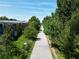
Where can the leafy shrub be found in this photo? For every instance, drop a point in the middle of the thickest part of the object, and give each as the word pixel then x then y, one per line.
pixel 30 32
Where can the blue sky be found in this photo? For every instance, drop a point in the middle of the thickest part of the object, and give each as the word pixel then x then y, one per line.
pixel 24 9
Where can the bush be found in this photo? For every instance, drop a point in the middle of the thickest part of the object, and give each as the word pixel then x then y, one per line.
pixel 25 47
pixel 30 33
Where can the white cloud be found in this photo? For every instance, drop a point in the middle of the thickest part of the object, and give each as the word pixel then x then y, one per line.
pixel 30 3
pixel 5 5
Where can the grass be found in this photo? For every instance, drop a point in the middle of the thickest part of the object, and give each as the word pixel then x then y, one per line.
pixel 55 52
pixel 60 55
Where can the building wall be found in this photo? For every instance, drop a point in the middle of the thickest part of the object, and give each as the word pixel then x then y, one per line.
pixel 1 28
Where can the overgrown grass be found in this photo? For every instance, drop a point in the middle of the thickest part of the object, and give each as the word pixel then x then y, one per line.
pixel 60 55
pixel 55 52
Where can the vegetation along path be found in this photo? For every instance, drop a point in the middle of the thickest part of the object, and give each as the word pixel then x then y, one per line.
pixel 41 49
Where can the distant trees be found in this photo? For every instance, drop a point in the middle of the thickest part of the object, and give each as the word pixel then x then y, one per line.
pixel 6 18
pixel 46 23
pixel 63 28
pixel 3 18
pixel 34 22
pixel 33 28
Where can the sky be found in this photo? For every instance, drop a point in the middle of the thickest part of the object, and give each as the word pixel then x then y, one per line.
pixel 24 9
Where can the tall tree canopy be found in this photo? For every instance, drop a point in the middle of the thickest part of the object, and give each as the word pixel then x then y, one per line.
pixel 62 27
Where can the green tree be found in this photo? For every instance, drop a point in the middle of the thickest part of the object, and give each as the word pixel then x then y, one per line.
pixel 65 9
pixel 3 18
pixel 30 33
pixel 34 22
pixel 63 28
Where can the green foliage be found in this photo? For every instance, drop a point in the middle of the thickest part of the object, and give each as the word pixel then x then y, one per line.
pixel 63 28
pixel 3 18
pixel 25 46
pixel 32 29
pixel 46 23
pixel 20 42
pixel 14 44
pixel 6 18
pixel 65 9
pixel 74 23
pixel 34 22
pixel 30 32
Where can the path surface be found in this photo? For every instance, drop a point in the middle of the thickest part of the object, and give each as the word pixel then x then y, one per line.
pixel 41 49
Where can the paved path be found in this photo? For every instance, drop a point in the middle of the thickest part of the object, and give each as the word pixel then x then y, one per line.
pixel 41 49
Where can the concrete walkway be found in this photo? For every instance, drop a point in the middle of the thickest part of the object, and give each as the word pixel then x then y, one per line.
pixel 41 49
